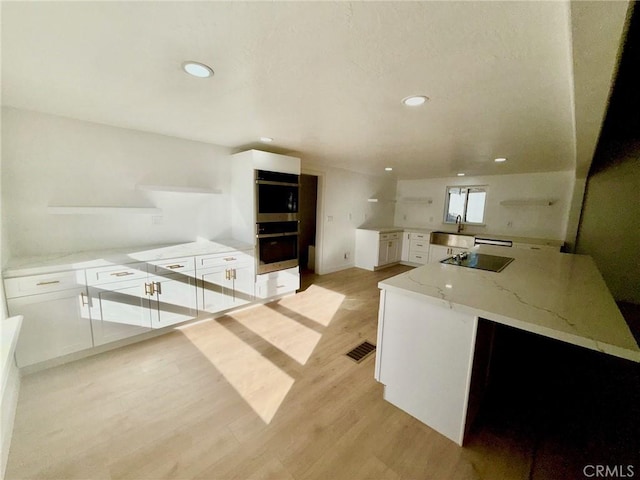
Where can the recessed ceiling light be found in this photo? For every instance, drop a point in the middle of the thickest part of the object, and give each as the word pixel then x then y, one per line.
pixel 461 174
pixel 388 169
pixel 197 69
pixel 266 139
pixel 500 160
pixel 414 100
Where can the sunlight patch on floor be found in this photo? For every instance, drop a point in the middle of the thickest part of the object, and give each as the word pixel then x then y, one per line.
pixel 283 332
pixel 318 304
pixel 258 381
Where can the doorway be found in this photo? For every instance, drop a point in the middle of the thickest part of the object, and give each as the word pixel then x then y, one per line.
pixel 308 207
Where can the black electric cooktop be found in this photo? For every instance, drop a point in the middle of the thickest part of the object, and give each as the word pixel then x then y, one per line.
pixel 481 261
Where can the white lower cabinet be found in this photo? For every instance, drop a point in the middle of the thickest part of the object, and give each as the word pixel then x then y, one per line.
pixel 54 324
pixel 70 311
pixel 542 248
pixel 119 310
pixel 419 248
pixel 56 315
pixel 173 300
pixel 375 249
pixel 415 340
pixel 223 288
pixel 278 283
pixel 127 300
pixel 225 281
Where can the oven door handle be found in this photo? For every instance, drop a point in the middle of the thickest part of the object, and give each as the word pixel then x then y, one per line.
pixel 279 184
pixel 273 235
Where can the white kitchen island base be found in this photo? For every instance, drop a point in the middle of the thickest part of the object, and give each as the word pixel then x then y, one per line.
pixel 435 327
pixel 431 349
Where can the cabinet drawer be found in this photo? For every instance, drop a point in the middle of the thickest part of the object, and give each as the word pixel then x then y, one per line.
pixel 389 236
pixel 419 236
pixel 419 257
pixel 50 282
pixel 419 246
pixel 175 265
pixel 542 248
pixel 224 259
pixel 116 273
pixel 272 285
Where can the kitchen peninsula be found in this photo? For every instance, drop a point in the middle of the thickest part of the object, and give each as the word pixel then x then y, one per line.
pixel 435 327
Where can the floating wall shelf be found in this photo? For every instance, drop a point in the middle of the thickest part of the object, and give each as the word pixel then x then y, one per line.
pixel 86 210
pixel 176 189
pixel 425 200
pixel 524 202
pixel 379 200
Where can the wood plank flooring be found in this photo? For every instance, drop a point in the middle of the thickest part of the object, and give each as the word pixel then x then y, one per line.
pixel 268 393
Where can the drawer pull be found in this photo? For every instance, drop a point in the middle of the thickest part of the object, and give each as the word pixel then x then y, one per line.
pixel 280 286
pixel 230 259
pixel 84 296
pixel 173 267
pixel 121 274
pixel 52 282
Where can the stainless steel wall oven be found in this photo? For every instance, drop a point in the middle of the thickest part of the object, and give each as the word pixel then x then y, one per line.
pixel 276 196
pixel 277 225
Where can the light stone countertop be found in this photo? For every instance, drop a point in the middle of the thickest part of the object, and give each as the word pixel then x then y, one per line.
pixel 528 240
pixel 22 266
pixel 561 296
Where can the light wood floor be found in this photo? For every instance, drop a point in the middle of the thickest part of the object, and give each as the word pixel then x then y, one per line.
pixel 267 392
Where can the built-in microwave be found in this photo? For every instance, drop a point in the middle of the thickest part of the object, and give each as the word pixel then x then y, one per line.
pixel 276 196
pixel 277 246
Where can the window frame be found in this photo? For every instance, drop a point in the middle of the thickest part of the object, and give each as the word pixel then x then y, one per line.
pixel 447 197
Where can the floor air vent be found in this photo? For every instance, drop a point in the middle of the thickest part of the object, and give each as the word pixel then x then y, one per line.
pixel 361 352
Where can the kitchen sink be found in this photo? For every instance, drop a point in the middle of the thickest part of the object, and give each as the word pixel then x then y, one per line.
pixel 481 261
pixel 448 239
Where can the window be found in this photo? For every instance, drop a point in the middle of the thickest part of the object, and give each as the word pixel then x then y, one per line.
pixel 467 202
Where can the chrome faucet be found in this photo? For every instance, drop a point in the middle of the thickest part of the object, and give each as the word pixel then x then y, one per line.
pixel 459 223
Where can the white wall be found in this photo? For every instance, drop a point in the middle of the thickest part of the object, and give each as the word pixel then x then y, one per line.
pixel 609 228
pixel 529 221
pixel 49 160
pixel 344 208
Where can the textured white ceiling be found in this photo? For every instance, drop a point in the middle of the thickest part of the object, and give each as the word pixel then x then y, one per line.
pixel 325 80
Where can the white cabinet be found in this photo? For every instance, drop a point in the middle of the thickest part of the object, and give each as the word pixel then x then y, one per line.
pixel 119 308
pixel 375 249
pixel 541 248
pixel 173 291
pixel 389 249
pixel 415 340
pixel 438 252
pixel 418 248
pixel 278 283
pixel 56 317
pixel 225 280
pixel 127 300
pixel 404 248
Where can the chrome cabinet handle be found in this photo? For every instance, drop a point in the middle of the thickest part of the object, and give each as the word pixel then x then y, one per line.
pixel 52 282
